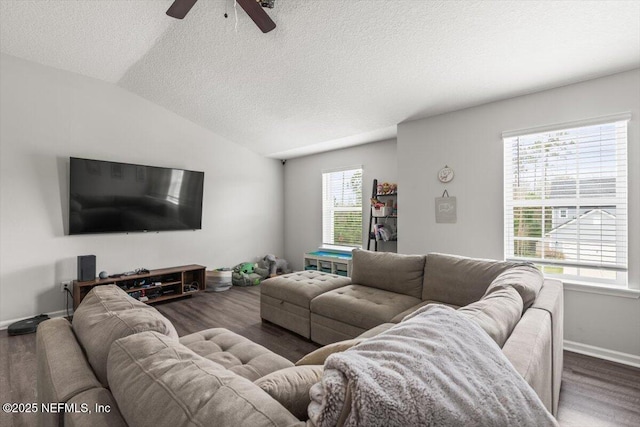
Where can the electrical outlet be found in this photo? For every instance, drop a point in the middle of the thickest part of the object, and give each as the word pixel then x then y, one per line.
pixel 65 285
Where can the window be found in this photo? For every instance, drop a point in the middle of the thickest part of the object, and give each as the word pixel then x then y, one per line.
pixel 342 208
pixel 566 199
pixel 175 186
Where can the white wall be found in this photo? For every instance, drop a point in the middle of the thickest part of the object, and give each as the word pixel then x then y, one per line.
pixel 303 192
pixel 470 142
pixel 48 115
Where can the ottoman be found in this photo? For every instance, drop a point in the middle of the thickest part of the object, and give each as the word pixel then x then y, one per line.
pixel 236 353
pixel 285 300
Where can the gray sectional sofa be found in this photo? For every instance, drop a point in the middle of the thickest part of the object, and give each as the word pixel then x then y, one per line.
pixel 512 302
pixel 122 355
pixel 121 363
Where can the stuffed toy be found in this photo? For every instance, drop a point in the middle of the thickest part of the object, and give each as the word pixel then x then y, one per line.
pixel 247 267
pixel 275 264
pixel 244 274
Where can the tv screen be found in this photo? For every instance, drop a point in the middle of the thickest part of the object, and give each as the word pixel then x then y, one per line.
pixel 109 197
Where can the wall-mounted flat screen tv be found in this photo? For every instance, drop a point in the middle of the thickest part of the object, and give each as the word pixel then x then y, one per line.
pixel 109 197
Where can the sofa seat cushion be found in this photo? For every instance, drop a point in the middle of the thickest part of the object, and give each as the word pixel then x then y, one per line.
pixel 106 314
pixel 497 313
pixel 459 280
pixel 325 330
pixel 159 382
pixel 524 278
pixel 361 306
pixel 389 271
pixel 235 353
pixel 285 300
pixel 290 387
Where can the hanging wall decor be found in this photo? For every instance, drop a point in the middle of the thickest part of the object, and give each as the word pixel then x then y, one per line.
pixel 446 209
pixel 445 174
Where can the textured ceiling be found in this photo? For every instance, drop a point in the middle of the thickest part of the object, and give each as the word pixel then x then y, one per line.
pixel 334 72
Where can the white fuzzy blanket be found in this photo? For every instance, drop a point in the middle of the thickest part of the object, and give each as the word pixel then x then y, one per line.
pixel 435 368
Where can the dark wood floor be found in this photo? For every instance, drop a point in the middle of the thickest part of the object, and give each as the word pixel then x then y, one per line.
pixel 594 392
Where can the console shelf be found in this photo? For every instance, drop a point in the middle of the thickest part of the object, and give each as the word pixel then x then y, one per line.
pixel 155 286
pixel 329 262
pixel 176 282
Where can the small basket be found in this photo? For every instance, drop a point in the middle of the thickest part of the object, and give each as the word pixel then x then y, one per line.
pixel 218 280
pixel 381 211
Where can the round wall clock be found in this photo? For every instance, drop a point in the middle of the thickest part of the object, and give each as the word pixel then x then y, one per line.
pixel 445 174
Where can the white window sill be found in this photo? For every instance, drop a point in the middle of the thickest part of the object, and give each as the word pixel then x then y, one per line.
pixel 337 248
pixel 601 289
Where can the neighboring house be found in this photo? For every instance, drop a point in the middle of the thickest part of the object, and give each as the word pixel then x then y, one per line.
pixel 597 222
pixel 566 188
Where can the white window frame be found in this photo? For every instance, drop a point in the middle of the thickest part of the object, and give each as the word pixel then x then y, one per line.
pixel 620 203
pixel 329 210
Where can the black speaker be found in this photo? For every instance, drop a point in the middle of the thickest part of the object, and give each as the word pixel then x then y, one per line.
pixel 86 268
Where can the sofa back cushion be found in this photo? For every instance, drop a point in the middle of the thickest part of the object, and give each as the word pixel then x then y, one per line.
pixel 497 313
pixel 158 382
pixel 524 278
pixel 388 271
pixel 111 298
pixel 106 314
pixel 459 280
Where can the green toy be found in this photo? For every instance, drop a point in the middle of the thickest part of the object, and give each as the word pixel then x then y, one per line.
pixel 247 267
pixel 247 274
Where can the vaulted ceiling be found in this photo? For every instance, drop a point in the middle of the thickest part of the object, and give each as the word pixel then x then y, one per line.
pixel 334 72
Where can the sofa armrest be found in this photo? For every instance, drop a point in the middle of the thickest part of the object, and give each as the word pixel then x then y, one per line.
pixel 551 300
pixel 529 351
pixel 103 407
pixel 62 369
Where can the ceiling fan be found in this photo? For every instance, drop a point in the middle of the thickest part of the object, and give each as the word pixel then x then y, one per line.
pixel 180 8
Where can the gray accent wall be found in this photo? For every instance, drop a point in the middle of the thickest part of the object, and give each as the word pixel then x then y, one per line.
pixel 470 142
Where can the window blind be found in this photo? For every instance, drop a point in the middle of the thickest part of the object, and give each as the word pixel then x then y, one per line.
pixel 342 207
pixel 565 193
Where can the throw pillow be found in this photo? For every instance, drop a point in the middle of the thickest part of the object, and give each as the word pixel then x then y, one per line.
pixel 290 387
pixel 317 357
pixel 497 313
pixel 524 278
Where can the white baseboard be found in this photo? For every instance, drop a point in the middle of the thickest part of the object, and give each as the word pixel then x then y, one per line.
pixel 603 353
pixel 60 313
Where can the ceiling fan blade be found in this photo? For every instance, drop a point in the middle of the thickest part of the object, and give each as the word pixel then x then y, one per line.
pixel 180 8
pixel 257 13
